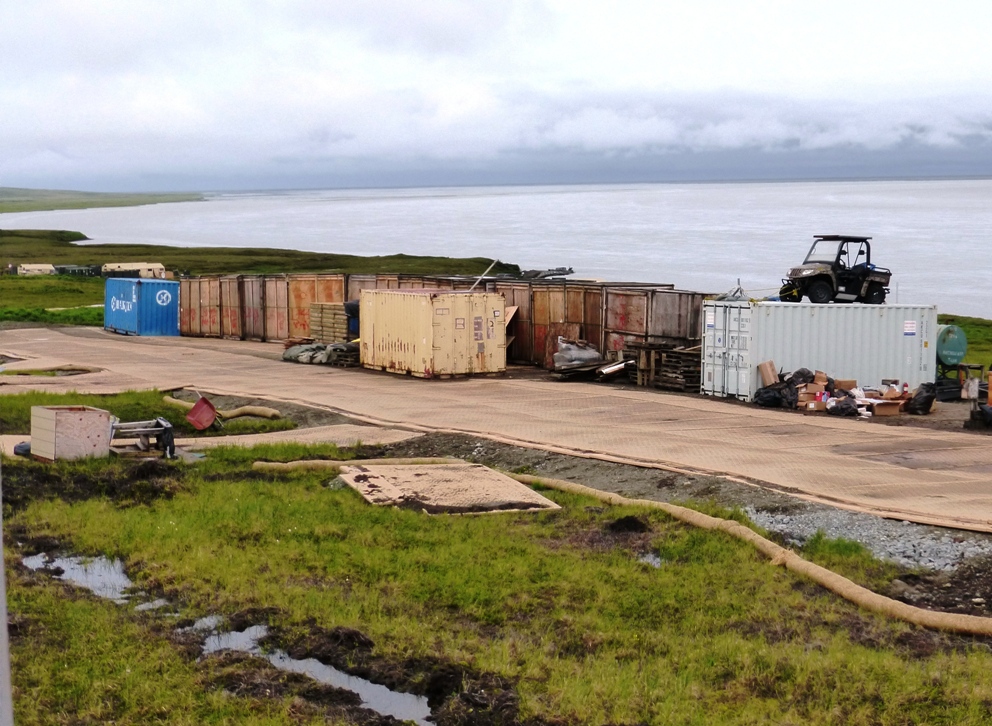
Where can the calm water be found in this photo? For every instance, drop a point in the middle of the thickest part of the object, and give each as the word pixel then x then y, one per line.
pixel 932 234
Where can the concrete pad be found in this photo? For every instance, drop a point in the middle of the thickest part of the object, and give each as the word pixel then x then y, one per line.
pixel 454 488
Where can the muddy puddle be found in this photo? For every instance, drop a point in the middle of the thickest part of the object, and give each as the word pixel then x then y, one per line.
pixel 106 578
pixel 99 575
pixel 403 706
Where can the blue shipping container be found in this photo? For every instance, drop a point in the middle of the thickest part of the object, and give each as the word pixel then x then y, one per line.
pixel 141 307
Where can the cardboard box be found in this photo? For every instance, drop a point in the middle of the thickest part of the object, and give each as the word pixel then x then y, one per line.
pixel 768 373
pixel 820 377
pixel 812 406
pixel 814 388
pixel 892 393
pixel 872 394
pixel 806 398
pixel 846 383
pixel 886 408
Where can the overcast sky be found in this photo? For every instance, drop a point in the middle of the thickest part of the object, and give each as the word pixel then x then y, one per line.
pixel 254 94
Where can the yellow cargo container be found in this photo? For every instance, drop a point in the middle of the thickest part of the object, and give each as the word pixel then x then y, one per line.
pixel 433 333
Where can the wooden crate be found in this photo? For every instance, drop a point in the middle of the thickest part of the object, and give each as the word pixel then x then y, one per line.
pixel 69 432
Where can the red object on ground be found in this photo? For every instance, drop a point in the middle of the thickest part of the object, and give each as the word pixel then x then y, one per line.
pixel 202 415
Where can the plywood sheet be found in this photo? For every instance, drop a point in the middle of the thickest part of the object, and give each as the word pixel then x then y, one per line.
pixel 455 488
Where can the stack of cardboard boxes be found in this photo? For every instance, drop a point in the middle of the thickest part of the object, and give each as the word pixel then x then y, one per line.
pixel 887 400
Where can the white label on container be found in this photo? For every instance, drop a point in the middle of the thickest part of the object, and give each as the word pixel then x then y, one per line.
pixel 163 297
pixel 711 318
pixel 495 313
pixel 909 327
pixel 459 323
pixel 442 311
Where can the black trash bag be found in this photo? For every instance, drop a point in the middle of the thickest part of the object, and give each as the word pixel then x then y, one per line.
pixel 801 376
pixel 922 401
pixel 830 385
pixel 844 407
pixel 351 308
pixel 985 409
pixel 22 449
pixel 777 395
pixel 841 393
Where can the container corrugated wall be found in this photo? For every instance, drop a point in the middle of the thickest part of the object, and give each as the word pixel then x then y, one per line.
pixel 141 306
pixel 429 334
pixel 868 343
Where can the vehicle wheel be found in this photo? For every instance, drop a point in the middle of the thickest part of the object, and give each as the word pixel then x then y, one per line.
pixel 790 293
pixel 875 294
pixel 819 291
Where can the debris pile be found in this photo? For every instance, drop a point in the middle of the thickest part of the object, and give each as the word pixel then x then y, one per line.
pixel 815 391
pixel 343 355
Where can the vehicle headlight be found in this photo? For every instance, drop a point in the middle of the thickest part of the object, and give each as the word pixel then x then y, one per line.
pixel 804 273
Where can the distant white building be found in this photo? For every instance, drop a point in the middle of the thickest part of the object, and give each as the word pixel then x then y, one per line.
pixel 154 270
pixel 36 269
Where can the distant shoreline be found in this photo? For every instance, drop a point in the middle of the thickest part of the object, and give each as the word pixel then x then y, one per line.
pixel 14 200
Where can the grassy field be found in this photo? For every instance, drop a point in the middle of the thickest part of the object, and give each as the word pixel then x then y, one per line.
pixel 39 200
pixel 550 615
pixel 60 248
pixel 979 334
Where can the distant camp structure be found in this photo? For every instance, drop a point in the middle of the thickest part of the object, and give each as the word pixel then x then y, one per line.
pixel 146 270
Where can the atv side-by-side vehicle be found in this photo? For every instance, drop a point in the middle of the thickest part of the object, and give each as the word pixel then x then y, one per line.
pixel 838 268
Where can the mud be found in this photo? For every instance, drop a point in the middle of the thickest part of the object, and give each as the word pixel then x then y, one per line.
pixel 126 482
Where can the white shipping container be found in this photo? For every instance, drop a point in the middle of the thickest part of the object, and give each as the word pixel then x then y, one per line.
pixel 429 333
pixel 864 342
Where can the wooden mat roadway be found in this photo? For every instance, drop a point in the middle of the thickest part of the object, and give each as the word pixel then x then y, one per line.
pixel 932 477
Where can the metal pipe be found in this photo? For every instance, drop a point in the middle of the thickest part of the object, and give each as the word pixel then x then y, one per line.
pixel 483 275
pixel 6 693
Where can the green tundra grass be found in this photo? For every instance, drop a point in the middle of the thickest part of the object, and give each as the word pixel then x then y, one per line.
pixel 550 603
pixel 38 200
pixel 59 248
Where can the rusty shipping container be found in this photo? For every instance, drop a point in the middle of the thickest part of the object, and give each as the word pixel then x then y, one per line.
pixel 429 334
pixel 306 289
pixel 252 289
pixel 199 306
pixel 651 315
pixel 230 307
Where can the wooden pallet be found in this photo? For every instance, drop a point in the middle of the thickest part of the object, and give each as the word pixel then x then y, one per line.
pixel 673 369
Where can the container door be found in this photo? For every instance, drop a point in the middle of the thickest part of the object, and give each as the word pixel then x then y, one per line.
pixel 230 308
pixel 675 317
pixel 625 318
pixel 727 349
pixel 276 307
pixel 186 306
pixel 253 303
pixel 302 290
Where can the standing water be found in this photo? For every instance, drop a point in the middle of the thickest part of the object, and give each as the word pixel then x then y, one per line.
pixel 932 234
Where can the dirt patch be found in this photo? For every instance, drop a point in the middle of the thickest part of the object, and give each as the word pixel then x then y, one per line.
pixel 635 482
pixel 302 416
pixel 126 482
pixel 967 589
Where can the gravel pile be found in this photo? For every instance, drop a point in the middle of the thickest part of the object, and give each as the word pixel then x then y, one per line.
pixel 907 544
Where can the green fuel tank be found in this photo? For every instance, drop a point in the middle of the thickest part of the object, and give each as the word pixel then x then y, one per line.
pixel 951 344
